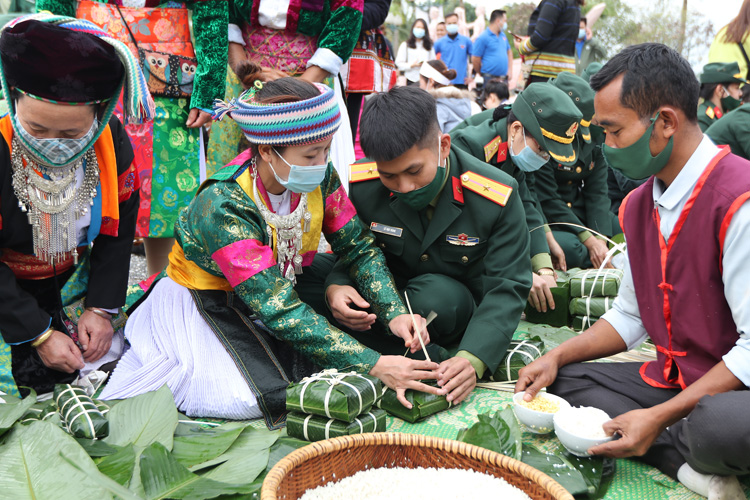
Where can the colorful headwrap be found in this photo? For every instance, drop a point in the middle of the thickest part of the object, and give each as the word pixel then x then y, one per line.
pixel 81 74
pixel 283 124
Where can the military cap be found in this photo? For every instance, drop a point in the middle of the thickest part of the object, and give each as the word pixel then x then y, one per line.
pixel 582 96
pixel 550 116
pixel 591 70
pixel 722 73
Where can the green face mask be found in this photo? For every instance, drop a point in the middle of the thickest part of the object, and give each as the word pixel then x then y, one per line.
pixel 635 161
pixel 729 103
pixel 420 198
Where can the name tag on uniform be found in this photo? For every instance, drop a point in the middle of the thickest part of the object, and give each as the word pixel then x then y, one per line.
pixel 377 227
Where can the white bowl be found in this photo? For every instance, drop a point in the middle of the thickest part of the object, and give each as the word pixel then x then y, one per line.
pixel 575 443
pixel 537 422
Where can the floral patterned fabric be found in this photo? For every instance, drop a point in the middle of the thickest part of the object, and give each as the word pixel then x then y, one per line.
pixel 223 214
pixel 167 153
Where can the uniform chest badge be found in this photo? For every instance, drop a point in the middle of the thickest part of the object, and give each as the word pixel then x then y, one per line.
pixel 463 240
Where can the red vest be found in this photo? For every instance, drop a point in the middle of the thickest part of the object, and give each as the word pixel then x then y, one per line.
pixel 678 283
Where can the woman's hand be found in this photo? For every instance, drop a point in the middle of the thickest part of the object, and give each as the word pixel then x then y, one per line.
pixel 197 118
pixel 94 335
pixel 60 353
pixel 400 373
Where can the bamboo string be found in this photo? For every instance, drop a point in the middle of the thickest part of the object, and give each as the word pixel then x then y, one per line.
pixel 416 328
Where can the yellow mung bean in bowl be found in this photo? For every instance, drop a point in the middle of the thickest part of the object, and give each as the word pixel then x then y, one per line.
pixel 537 415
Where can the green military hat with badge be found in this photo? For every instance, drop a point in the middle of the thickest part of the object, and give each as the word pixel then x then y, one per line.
pixel 722 73
pixel 579 91
pixel 591 70
pixel 549 115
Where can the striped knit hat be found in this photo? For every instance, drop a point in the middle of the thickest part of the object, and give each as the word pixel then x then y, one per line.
pixel 283 124
pixel 138 103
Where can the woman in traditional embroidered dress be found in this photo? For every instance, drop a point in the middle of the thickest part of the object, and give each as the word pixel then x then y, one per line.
pixel 67 181
pixel 184 79
pixel 310 39
pixel 238 314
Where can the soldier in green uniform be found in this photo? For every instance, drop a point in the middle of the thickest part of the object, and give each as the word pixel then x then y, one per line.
pixel 734 129
pixel 577 194
pixel 541 117
pixel 720 91
pixel 453 233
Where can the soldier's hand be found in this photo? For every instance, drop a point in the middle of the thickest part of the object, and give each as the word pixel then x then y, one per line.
pixel 340 299
pixel 556 252
pixel 597 251
pixel 540 295
pixel 457 376
pixel 400 373
pixel 60 353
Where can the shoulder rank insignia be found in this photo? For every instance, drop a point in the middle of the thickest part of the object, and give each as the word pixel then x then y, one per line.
pixel 490 189
pixel 363 172
pixel 718 113
pixel 710 112
pixel 491 148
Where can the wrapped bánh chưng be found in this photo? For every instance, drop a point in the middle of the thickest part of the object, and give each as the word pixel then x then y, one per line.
pixel 79 413
pixel 423 404
pixel 593 307
pixel 333 394
pixel 595 283
pixel 315 428
pixel 520 353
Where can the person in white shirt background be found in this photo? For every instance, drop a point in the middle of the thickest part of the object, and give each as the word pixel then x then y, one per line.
pixel 416 50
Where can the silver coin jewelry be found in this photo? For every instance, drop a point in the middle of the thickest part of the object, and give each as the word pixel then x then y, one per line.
pixel 53 204
pixel 289 230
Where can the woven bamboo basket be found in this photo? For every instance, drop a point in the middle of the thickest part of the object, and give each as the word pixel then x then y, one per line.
pixel 333 459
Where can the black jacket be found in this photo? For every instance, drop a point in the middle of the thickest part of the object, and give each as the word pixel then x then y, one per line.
pixel 553 26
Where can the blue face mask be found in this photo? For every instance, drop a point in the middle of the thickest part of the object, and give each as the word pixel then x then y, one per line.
pixel 418 32
pixel 452 29
pixel 582 34
pixel 527 160
pixel 56 151
pixel 301 179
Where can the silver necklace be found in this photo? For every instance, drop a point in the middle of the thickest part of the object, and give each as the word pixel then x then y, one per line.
pixel 289 230
pixel 52 202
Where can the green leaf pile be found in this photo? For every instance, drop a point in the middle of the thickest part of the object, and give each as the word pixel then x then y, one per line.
pixel 149 454
pixel 501 432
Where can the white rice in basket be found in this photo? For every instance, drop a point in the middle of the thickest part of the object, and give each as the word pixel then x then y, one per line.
pixel 401 483
pixel 583 421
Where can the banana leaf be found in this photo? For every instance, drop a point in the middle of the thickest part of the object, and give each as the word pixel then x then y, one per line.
pixel 35 463
pixel 423 404
pixel 13 408
pixel 98 448
pixel 499 432
pixel 578 475
pixel 79 413
pixel 314 428
pixel 591 306
pixel 120 465
pixel 163 477
pixel 595 283
pixel 551 336
pixel 143 420
pixel 194 444
pixel 554 317
pixel 250 441
pixel 245 460
pixel 520 353
pixel 42 410
pixel 331 394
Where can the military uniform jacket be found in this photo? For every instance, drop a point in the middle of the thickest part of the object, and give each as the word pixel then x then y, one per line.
pixel 576 194
pixel 488 142
pixel 476 238
pixel 734 131
pixel 708 114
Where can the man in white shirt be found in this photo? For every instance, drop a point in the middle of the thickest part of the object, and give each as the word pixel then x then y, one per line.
pixel 685 286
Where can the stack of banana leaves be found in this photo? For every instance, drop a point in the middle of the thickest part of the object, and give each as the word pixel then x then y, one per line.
pixel 138 448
